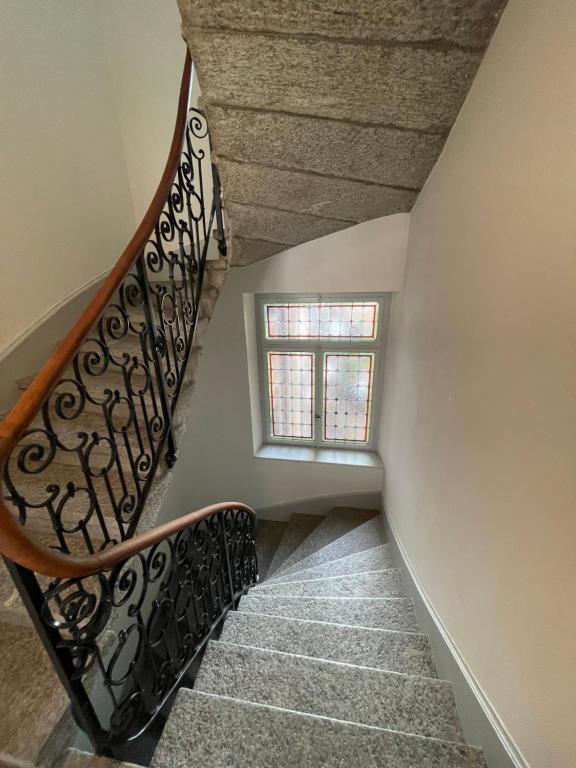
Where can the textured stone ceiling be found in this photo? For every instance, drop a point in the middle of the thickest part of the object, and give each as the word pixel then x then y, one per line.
pixel 324 114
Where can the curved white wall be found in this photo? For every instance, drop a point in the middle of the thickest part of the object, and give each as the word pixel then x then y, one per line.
pixel 217 460
pixel 88 94
pixel 480 438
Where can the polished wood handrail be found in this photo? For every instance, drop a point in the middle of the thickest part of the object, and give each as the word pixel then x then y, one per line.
pixel 14 542
pixel 17 546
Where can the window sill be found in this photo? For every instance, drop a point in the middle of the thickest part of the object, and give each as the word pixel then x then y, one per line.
pixel 341 456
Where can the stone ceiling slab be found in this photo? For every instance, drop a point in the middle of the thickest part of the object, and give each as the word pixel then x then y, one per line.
pixel 364 153
pixel 308 193
pixel 411 87
pixel 259 223
pixel 247 251
pixel 467 23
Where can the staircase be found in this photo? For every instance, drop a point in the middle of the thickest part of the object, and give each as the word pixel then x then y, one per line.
pixel 321 665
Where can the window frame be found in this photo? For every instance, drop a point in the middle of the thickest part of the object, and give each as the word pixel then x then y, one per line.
pixel 320 347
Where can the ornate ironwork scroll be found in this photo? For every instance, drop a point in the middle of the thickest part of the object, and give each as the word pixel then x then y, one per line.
pixel 81 474
pixel 122 640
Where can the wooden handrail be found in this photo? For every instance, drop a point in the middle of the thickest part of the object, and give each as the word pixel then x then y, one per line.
pixel 14 542
pixel 16 546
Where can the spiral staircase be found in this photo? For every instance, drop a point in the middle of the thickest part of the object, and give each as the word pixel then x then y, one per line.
pixel 209 639
pixel 322 664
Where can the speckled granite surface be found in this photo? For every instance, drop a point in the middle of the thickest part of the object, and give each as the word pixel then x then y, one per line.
pixel 30 705
pixel 383 649
pixel 405 703
pixel 382 613
pixel 268 536
pixel 77 759
pixel 365 536
pixel 372 584
pixel 298 528
pixel 213 731
pixel 337 523
pixel 374 559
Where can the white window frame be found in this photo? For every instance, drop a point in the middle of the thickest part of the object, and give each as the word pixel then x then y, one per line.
pixel 319 347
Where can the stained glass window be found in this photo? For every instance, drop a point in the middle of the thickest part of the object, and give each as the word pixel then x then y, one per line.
pixel 348 382
pixel 291 389
pixel 353 320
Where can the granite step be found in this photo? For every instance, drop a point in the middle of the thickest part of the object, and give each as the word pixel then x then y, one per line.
pixel 406 652
pixel 378 612
pixel 375 559
pixel 212 730
pixel 366 536
pixel 337 523
pixel 32 704
pixel 77 759
pixel 386 583
pixel 268 536
pixel 298 528
pixel 418 705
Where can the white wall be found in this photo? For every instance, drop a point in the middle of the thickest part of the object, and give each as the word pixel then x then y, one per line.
pixel 145 52
pixel 65 208
pixel 480 420
pixel 89 95
pixel 217 460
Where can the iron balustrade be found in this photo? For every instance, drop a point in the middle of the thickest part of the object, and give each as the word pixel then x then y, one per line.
pixel 84 446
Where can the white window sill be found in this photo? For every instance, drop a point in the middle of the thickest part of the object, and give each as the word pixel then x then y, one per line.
pixel 342 456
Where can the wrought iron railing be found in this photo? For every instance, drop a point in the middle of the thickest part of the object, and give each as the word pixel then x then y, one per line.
pixel 123 639
pixel 122 614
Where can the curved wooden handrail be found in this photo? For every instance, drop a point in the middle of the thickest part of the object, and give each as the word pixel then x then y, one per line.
pixel 16 546
pixel 14 542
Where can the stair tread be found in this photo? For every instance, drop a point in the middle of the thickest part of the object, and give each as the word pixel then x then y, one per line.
pixel 32 704
pixel 365 536
pixel 398 702
pixel 268 536
pixel 75 758
pixel 376 558
pixel 337 523
pixel 378 612
pixel 298 528
pixel 407 652
pixel 385 583
pixel 212 730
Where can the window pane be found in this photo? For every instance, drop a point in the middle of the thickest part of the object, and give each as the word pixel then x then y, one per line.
pixel 347 320
pixel 290 392
pixel 348 380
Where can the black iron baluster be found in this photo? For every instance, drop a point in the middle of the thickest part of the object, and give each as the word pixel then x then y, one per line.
pixel 156 347
pixel 217 203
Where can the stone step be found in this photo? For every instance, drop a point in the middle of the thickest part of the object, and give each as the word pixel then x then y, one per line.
pixel 205 730
pixel 365 536
pixel 417 705
pixel 406 652
pixel 375 559
pixel 268 535
pixel 386 583
pixel 32 698
pixel 337 523
pixel 77 759
pixel 299 527
pixel 378 612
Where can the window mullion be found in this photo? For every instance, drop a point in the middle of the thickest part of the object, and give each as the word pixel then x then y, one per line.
pixel 318 397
